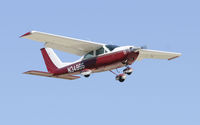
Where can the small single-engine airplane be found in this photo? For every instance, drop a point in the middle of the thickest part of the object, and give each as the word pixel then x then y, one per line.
pixel 96 57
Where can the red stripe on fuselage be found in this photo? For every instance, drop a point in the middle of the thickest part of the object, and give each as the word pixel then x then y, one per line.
pixel 110 58
pixel 102 60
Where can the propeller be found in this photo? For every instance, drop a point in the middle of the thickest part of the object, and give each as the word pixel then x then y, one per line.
pixel 138 48
pixel 144 47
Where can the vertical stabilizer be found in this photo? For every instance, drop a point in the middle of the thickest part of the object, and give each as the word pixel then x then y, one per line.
pixel 51 60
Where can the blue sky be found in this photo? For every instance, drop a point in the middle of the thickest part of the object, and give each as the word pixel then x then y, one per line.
pixel 158 92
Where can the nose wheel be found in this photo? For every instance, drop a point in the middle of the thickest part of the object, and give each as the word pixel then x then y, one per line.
pixel 121 77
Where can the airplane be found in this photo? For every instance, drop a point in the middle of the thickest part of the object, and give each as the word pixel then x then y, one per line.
pixel 95 57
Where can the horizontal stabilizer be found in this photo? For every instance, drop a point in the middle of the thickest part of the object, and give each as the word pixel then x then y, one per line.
pixel 47 74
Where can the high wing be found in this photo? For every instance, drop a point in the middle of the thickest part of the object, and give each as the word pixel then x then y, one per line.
pixel 66 44
pixel 47 74
pixel 154 54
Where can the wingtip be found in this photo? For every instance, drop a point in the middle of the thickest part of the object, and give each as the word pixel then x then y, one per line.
pixel 26 34
pixel 178 55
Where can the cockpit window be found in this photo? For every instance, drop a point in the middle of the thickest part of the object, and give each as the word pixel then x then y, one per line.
pixel 89 55
pixel 111 47
pixel 100 51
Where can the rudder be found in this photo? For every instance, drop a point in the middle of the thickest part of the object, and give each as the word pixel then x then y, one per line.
pixel 51 60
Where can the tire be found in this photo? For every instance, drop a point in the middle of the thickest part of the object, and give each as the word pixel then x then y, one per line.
pixel 121 80
pixel 86 76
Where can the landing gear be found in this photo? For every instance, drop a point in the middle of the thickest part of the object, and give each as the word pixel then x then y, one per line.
pixel 128 71
pixel 86 72
pixel 121 77
pixel 87 76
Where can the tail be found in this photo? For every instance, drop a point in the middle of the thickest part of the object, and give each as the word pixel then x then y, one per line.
pixel 51 60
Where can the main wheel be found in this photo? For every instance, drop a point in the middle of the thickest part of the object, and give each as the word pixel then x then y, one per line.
pixel 87 76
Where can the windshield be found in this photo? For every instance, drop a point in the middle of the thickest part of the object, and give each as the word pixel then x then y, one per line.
pixel 89 55
pixel 111 47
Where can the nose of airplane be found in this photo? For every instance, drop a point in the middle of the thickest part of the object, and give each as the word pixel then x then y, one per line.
pixel 132 55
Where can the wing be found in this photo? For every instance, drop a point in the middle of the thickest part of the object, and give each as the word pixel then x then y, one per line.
pixel 66 44
pixel 47 74
pixel 154 54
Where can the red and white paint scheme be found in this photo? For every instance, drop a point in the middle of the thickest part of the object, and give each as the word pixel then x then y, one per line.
pixel 95 57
